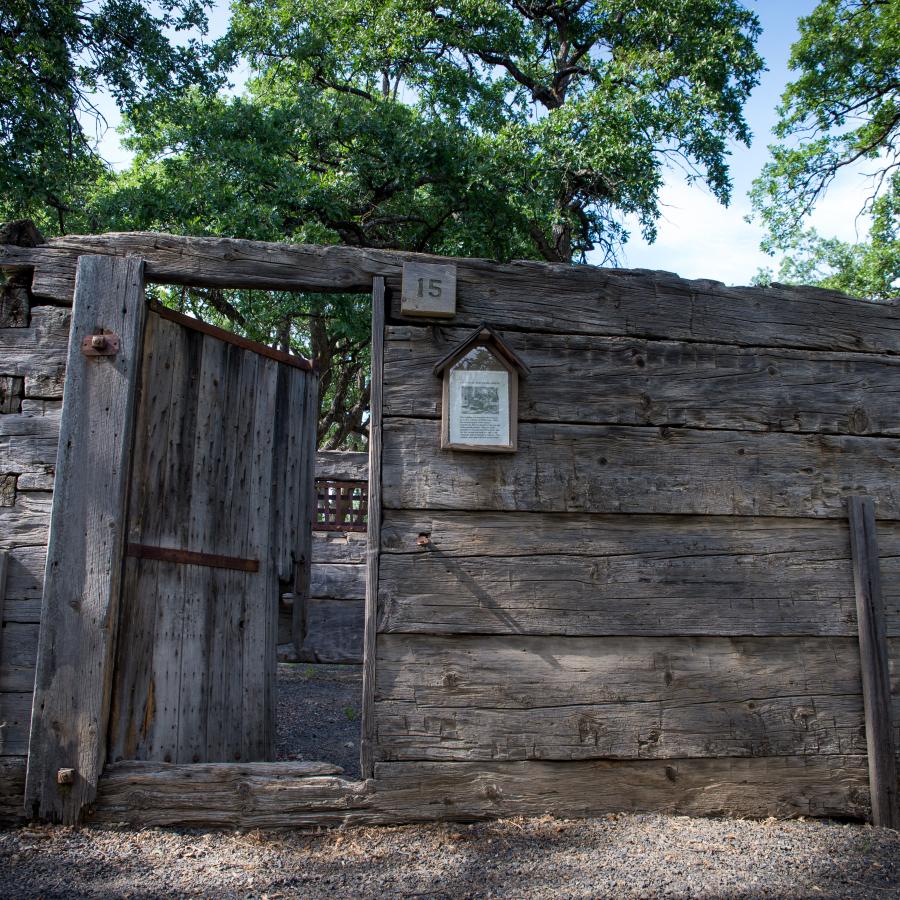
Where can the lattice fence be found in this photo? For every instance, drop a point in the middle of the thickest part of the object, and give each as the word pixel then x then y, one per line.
pixel 341 505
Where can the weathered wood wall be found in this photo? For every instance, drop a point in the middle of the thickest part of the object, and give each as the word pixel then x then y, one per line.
pixel 661 576
pixel 34 339
pixel 333 612
pixel 649 606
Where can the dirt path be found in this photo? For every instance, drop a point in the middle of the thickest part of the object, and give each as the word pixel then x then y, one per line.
pixel 615 856
pixel 317 716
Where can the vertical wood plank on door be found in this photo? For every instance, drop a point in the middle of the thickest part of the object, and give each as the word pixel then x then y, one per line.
pixel 874 662
pixel 236 609
pixel 84 559
pixel 172 498
pixel 256 702
pixel 136 699
pixel 202 586
pixel 373 545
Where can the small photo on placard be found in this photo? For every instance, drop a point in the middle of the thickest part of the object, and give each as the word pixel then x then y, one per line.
pixel 429 290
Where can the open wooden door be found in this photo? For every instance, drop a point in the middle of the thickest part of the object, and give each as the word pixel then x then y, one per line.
pixel 182 508
pixel 219 523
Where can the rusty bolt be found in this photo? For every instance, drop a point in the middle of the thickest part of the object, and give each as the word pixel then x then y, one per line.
pixel 98 341
pixel 423 540
pixel 65 776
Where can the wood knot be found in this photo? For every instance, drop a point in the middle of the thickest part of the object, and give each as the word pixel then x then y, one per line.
pixel 589 730
pixel 859 421
pixel 451 681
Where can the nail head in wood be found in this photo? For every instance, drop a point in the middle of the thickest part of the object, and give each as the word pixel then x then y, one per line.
pixel 65 776
pixel 100 345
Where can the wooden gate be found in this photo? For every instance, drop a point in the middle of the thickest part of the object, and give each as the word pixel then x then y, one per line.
pixel 217 482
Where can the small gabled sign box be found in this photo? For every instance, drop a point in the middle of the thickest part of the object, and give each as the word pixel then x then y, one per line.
pixel 480 398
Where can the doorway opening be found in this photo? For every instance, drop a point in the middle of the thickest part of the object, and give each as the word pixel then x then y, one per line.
pixel 320 681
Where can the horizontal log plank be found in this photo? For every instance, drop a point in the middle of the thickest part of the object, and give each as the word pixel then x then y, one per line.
pixel 805 726
pixel 637 382
pixel 41 479
pixel 491 698
pixel 337 581
pixel 259 795
pixel 18 653
pixel 29 440
pixel 26 523
pixel 333 632
pixel 576 574
pixel 44 373
pixel 345 547
pixel 48 332
pixel 523 295
pixel 341 465
pixel 633 469
pixel 536 672
pixel 12 790
pixel 412 792
pixel 15 721
pixel 761 787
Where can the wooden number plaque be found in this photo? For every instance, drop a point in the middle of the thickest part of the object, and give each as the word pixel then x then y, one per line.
pixel 429 290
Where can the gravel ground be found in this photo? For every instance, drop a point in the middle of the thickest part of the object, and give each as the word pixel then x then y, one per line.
pixel 318 714
pixel 614 856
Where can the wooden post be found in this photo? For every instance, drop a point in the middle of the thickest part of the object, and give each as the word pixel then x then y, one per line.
pixel 874 661
pixel 373 541
pixel 4 561
pixel 79 609
pixel 304 421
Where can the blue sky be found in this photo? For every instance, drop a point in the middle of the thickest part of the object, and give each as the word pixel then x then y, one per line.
pixel 697 236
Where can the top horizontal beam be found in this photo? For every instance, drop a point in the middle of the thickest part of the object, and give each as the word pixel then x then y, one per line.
pixel 521 295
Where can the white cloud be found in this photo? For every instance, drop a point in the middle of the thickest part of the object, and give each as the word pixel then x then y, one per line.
pixel 700 238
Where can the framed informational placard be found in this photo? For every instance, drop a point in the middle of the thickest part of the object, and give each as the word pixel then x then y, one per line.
pixel 479 409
